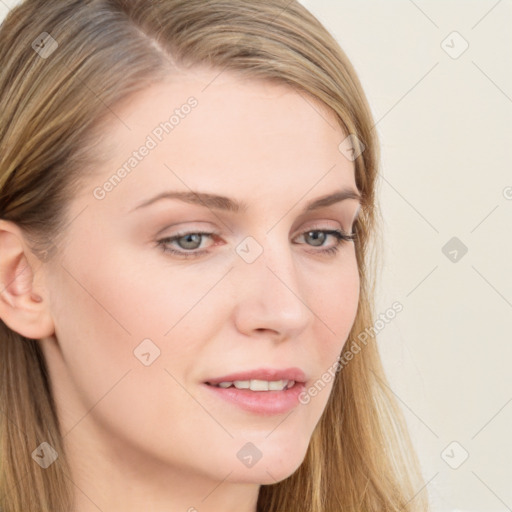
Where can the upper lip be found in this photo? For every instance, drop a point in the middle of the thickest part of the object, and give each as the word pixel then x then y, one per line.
pixel 270 374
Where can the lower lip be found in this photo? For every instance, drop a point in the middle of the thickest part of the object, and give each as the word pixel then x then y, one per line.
pixel 261 402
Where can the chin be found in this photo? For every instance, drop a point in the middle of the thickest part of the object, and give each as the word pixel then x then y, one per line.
pixel 279 465
pixel 265 475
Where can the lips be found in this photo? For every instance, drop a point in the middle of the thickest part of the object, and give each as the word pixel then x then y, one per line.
pixel 261 374
pixel 263 391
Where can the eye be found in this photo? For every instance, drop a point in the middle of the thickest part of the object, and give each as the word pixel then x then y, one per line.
pixel 340 238
pixel 189 242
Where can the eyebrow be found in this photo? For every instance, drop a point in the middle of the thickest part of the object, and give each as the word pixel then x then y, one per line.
pixel 218 202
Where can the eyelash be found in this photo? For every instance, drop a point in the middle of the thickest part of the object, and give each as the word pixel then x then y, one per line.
pixel 341 237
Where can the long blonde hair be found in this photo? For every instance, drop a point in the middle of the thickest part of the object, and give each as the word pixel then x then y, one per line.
pixel 360 457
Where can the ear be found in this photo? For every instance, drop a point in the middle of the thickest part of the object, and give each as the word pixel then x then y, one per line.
pixel 23 302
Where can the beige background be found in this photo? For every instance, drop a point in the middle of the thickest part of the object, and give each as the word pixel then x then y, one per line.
pixel 445 125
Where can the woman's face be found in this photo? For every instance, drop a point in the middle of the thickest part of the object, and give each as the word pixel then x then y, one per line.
pixel 143 323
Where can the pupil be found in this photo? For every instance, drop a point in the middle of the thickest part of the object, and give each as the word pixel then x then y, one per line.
pixel 318 236
pixel 187 240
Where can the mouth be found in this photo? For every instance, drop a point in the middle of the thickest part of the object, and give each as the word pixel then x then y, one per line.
pixel 264 392
pixel 256 384
pixel 261 379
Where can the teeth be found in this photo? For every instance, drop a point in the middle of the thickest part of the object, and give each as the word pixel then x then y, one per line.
pixel 278 385
pixel 259 385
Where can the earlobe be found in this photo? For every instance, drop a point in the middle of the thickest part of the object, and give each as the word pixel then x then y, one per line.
pixel 22 306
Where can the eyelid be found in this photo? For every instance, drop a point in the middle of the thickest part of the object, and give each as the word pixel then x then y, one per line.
pixel 316 225
pixel 321 225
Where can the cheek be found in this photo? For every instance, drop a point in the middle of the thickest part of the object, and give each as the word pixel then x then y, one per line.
pixel 117 313
pixel 103 311
pixel 335 302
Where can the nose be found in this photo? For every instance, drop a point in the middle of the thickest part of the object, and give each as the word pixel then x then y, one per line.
pixel 268 295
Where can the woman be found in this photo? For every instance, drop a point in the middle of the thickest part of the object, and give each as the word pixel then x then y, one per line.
pixel 187 210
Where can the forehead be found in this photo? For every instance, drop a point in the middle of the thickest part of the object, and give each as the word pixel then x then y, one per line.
pixel 215 132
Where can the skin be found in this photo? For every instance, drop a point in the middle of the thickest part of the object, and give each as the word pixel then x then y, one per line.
pixel 151 437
